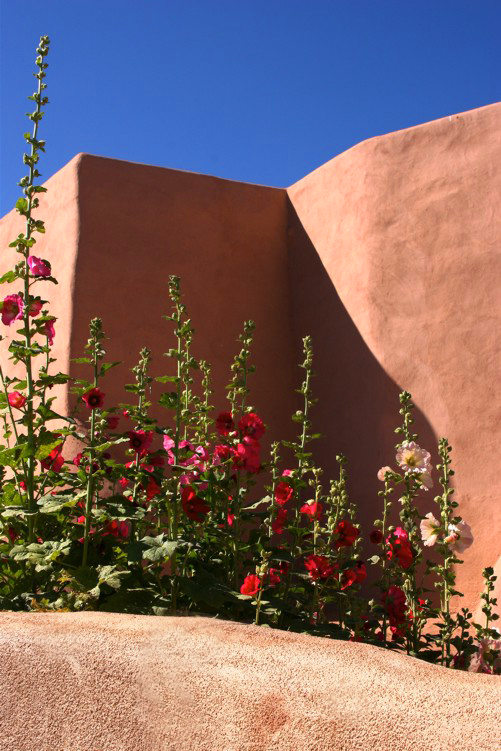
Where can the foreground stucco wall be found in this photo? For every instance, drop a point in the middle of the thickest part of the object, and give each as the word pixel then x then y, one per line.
pixel 99 681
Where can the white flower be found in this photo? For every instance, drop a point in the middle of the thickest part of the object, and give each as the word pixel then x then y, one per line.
pixel 413 459
pixel 459 537
pixel 430 530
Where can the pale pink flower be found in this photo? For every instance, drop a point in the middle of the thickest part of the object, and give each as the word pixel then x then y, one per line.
pixel 426 480
pixel 459 537
pixel 430 530
pixel 413 459
pixel 483 661
pixel 382 473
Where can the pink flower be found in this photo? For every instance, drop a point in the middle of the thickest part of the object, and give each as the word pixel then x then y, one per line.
pixel 280 520
pixel 251 585
pixel 12 309
pixel 35 307
pixel 49 331
pixel 283 493
pixel 318 567
pixel 38 266
pixel 140 440
pixel 287 473
pixel 413 459
pixel 430 530
pixel 94 398
pixel 312 508
pixel 346 534
pixel 459 537
pixel 224 423
pixel 251 425
pixel 17 400
pixel 426 480
pixel 382 473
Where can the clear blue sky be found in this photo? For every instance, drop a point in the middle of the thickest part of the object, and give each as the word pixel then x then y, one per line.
pixel 256 90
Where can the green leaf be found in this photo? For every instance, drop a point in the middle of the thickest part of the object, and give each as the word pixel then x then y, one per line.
pixel 111 576
pixel 168 399
pixel 159 548
pixel 21 205
pixel 107 366
pixel 167 379
pixel 8 277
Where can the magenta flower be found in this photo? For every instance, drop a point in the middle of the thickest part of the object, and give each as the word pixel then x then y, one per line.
pixel 12 309
pixel 38 266
pixel 140 440
pixel 35 307
pixel 49 331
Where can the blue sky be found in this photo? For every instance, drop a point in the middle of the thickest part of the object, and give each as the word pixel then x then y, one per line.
pixel 262 91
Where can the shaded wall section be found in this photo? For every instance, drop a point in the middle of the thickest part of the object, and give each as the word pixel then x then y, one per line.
pixel 407 228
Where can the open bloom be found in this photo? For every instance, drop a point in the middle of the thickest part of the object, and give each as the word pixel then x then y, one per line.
pixel 430 530
pixel 194 507
pixel 346 534
pixel 94 398
pixel 246 455
pixel 283 493
pixel 17 400
pixel 38 266
pixel 49 331
pixel 140 440
pixel 413 459
pixel 54 460
pixel 354 575
pixel 251 425
pixel 319 567
pixel 251 585
pixel 459 537
pixel 312 508
pixel 279 521
pixel 376 536
pixel 224 423
pixel 35 307
pixel 12 309
pixel 399 547
pixel 116 529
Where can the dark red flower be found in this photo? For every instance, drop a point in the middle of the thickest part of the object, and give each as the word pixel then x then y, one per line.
pixel 77 460
pixel 194 507
pixel 283 493
pixel 399 547
pixel 116 528
pixel 112 422
pixel 224 423
pixel 352 575
pixel 251 425
pixel 246 455
pixel 279 521
pixel 222 453
pixel 395 604
pixel 94 398
pixel 140 440
pixel 54 460
pixel 251 585
pixel 319 567
pixel 152 489
pixel 346 534
pixel 376 536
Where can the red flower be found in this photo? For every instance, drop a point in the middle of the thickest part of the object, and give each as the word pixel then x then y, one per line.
pixel 246 455
pixel 395 604
pixel 221 453
pixel 224 423
pixel 112 422
pixel 49 331
pixel 251 425
pixel 399 547
pixel 54 460
pixel 347 534
pixel 283 493
pixel 251 585
pixel 376 536
pixel 352 575
pixel 140 440
pixel 77 460
pixel 152 489
pixel 123 482
pixel 117 529
pixel 17 400
pixel 275 576
pixel 279 521
pixel 12 309
pixel 94 398
pixel 319 567
pixel 38 266
pixel 194 507
pixel 313 509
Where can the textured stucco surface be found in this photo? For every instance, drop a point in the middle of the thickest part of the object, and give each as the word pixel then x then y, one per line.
pixel 108 682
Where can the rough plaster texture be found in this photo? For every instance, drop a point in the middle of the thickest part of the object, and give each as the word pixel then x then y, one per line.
pixel 388 255
pixel 108 682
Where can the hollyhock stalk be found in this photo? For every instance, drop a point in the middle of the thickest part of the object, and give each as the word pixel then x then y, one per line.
pixel 142 379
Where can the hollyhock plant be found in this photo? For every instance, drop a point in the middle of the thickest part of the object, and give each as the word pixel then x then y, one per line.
pixel 279 521
pixel 39 267
pixel 54 460
pixel 16 400
pixel 224 423
pixel 312 508
pixel 459 537
pixel 116 529
pixel 246 455
pixel 35 307
pixel 376 536
pixel 251 585
pixel 194 507
pixel 140 440
pixel 319 567
pixel 222 453
pixel 346 533
pixel 399 547
pixel 12 309
pixel 430 530
pixel 413 459
pixel 381 475
pixel 94 398
pixel 251 425
pixel 112 422
pixel 49 330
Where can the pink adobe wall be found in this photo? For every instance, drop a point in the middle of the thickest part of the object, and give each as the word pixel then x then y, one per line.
pixel 387 255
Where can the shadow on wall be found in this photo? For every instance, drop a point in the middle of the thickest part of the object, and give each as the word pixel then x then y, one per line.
pixel 358 404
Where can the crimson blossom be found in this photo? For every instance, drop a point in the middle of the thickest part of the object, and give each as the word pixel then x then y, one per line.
pixel 283 493
pixel 140 440
pixel 251 585
pixel 251 425
pixel 94 398
pixel 17 400
pixel 194 507
pixel 39 267
pixel 12 309
pixel 346 534
pixel 319 567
